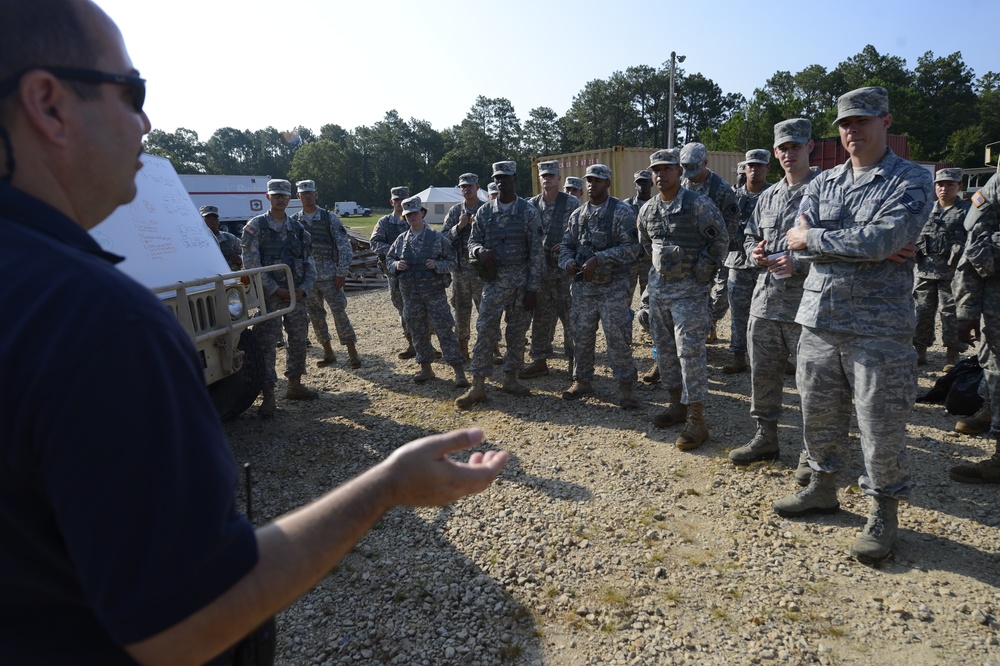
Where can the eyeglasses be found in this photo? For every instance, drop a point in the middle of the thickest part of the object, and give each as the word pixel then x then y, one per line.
pixel 135 84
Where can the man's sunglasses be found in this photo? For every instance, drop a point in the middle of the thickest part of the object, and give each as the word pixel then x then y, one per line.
pixel 135 84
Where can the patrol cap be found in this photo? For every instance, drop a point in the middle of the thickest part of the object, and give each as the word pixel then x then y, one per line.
pixel 693 157
pixel 552 166
pixel 665 156
pixel 758 156
pixel 306 186
pixel 400 192
pixel 870 101
pixel 643 174
pixel 279 186
pixel 412 205
pixel 598 171
pixel 954 174
pixel 574 182
pixel 468 179
pixel 794 130
pixel 209 210
pixel 508 168
pixel 492 188
pixel 741 167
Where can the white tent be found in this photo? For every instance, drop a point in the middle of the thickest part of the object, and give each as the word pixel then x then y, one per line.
pixel 439 200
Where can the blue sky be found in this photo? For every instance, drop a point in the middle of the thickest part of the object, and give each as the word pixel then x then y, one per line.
pixel 249 64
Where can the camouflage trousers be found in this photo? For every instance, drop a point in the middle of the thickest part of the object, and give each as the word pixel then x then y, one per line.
pixel 770 344
pixel 988 354
pixel 502 297
pixel 296 325
pixel 466 291
pixel 680 327
pixel 604 303
pixel 929 296
pixel 741 283
pixel 396 296
pixel 553 303
pixel 328 292
pixel 639 275
pixel 718 300
pixel 425 304
pixel 879 374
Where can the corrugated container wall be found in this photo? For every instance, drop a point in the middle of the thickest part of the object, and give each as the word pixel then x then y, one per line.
pixel 828 153
pixel 624 162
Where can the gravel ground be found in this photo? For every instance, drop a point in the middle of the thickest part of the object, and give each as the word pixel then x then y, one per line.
pixel 602 543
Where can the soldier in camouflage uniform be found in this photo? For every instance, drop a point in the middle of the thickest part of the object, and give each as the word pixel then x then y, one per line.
pixel 686 237
pixel 773 333
pixel 573 186
pixel 977 292
pixel 276 238
pixel 597 252
pixel 940 246
pixel 466 285
pixel 857 229
pixel 742 272
pixel 422 260
pixel 553 294
pixel 699 178
pixel 385 232
pixel 492 191
pixel 506 242
pixel 228 243
pixel 332 254
pixel 639 273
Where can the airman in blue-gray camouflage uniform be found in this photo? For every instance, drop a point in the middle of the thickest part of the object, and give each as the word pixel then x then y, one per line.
pixel 466 285
pixel 229 244
pixel 332 255
pixel 276 238
pixel 506 244
pixel 387 228
pixel 422 260
pixel 857 229
pixel 554 292
pixel 685 235
pixel 597 252
pixel 940 244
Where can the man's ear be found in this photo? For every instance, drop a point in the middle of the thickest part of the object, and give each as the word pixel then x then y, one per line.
pixel 45 103
pixel 887 121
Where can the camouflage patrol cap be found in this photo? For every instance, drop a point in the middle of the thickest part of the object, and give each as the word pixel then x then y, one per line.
pixel 492 188
pixel 574 182
pixel 758 156
pixel 279 186
pixel 412 205
pixel 399 192
pixel 665 156
pixel 209 210
pixel 306 186
pixel 552 166
pixel 794 130
pixel 468 179
pixel 741 167
pixel 870 101
pixel 949 174
pixel 598 171
pixel 507 168
pixel 693 158
pixel 643 174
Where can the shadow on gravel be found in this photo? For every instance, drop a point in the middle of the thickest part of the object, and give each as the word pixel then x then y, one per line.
pixel 553 487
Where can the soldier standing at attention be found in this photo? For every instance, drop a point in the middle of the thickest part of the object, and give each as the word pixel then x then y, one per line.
pixel 685 236
pixel 553 294
pixel 597 252
pixel 699 178
pixel 573 186
pixel 773 333
pixel 422 260
pixel 506 240
pixel 466 286
pixel 940 245
pixel 385 232
pixel 228 243
pixel 857 226
pixel 743 273
pixel 332 254
pixel 275 238
pixel 639 273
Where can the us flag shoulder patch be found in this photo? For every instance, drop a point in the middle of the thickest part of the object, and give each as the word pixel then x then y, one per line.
pixel 914 199
pixel 978 200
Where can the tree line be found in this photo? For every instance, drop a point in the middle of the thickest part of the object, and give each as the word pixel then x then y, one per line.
pixel 947 113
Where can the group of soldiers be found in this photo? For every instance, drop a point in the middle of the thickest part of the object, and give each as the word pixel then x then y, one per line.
pixel 835 277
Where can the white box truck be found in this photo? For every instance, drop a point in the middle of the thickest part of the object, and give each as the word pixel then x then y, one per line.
pixel 348 208
pixel 238 197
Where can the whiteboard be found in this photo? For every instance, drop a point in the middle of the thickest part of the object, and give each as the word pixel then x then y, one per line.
pixel 160 233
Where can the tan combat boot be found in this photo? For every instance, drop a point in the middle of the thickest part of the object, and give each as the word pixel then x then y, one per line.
pixel 296 391
pixel 713 335
pixel 426 372
pixel 460 379
pixel 577 389
pixel 409 352
pixel 352 354
pixel 737 365
pixel 676 411
pixel 984 471
pixel 978 423
pixel 803 472
pixel 695 432
pixel 874 542
pixel 475 394
pixel 267 405
pixel 653 376
pixel 921 354
pixel 951 359
pixel 763 446
pixel 328 355
pixel 512 386
pixel 534 369
pixel 626 396
pixel 820 496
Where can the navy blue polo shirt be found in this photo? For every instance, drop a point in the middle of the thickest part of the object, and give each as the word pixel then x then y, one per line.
pixel 117 508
